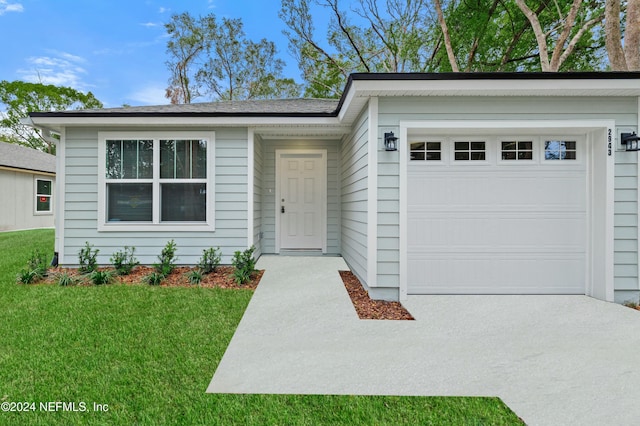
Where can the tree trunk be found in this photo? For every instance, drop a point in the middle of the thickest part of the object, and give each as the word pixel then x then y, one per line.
pixel 447 38
pixel 632 36
pixel 613 36
pixel 541 38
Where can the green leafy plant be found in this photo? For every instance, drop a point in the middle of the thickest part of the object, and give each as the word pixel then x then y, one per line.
pixel 101 277
pixel 167 259
pixel 194 276
pixel 210 260
pixel 87 259
pixel 38 263
pixel 244 265
pixel 154 278
pixel 36 268
pixel 26 276
pixel 124 260
pixel 65 280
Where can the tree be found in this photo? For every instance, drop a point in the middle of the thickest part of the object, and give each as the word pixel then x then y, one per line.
pixel 20 98
pixel 215 58
pixel 623 51
pixel 565 32
pixel 188 40
pixel 438 36
pixel 394 39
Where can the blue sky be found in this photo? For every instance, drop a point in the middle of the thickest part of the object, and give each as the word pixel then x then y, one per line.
pixel 114 48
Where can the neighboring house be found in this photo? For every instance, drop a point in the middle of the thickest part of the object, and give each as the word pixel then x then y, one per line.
pixel 27 188
pixel 501 183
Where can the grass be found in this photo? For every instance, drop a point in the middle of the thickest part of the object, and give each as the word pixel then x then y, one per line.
pixel 149 354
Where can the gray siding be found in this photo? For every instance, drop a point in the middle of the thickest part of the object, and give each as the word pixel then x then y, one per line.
pixel 354 171
pixel 81 216
pixel 622 110
pixel 257 194
pixel 269 190
pixel 626 226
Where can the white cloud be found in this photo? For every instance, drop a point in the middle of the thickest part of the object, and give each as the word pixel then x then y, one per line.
pixel 150 95
pixel 150 24
pixel 211 4
pixel 10 7
pixel 60 68
pixel 163 10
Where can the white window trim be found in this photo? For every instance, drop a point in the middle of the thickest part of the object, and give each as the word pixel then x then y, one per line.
pixel 488 144
pixel 208 225
pixel 535 146
pixel 36 195
pixel 444 155
pixel 580 150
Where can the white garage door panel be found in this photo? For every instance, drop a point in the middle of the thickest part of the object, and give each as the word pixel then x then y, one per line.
pixel 496 229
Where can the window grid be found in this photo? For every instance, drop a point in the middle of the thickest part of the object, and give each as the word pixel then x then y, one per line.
pixel 134 199
pixel 470 151
pixel 426 151
pixel 43 195
pixel 560 150
pixel 516 150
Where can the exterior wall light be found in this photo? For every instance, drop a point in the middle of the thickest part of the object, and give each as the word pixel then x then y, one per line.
pixel 630 141
pixel 390 142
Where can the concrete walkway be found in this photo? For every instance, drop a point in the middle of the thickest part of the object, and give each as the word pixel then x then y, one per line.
pixel 554 360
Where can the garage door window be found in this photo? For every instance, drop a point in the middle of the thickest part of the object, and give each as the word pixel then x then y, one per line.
pixel 559 150
pixel 517 150
pixel 426 151
pixel 470 151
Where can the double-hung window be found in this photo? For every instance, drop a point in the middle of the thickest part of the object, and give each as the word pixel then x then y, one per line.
pixel 44 189
pixel 156 181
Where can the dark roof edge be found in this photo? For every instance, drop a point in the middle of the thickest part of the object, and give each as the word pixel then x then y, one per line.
pixel 183 114
pixel 579 75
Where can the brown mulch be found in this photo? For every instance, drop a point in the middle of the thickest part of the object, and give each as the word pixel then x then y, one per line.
pixel 365 307
pixel 220 278
pixel 368 308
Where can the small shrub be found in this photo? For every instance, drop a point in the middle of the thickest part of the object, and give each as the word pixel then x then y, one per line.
pixel 167 259
pixel 154 278
pixel 245 265
pixel 65 280
pixel 87 259
pixel 210 260
pixel 101 277
pixel 194 277
pixel 124 261
pixel 27 276
pixel 38 264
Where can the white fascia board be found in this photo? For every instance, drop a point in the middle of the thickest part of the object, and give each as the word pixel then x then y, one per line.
pixel 500 87
pixel 193 121
pixel 489 88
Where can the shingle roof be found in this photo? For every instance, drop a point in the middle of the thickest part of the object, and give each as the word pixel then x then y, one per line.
pixel 267 107
pixel 20 157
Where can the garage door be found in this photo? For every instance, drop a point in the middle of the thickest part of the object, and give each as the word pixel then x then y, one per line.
pixel 496 215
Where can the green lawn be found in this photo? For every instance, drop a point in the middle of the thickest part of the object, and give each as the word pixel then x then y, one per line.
pixel 149 354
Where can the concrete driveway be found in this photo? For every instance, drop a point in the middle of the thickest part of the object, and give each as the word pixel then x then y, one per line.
pixel 554 360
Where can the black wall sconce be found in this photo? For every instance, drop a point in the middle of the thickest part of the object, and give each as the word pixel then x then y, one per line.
pixel 630 141
pixel 390 142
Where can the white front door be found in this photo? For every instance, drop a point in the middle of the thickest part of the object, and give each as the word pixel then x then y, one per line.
pixel 301 199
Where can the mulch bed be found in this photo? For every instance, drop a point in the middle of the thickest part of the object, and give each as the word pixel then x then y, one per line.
pixel 368 308
pixel 220 278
